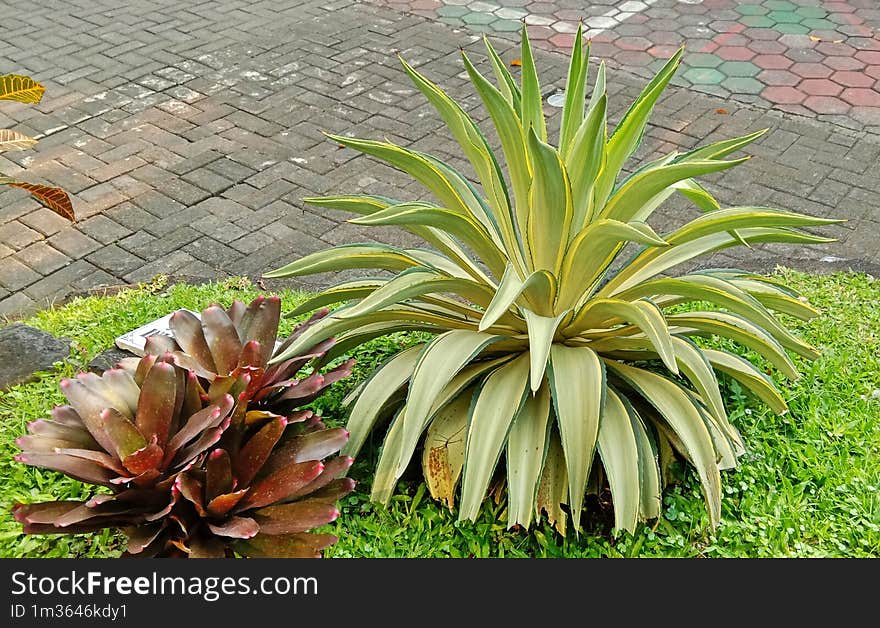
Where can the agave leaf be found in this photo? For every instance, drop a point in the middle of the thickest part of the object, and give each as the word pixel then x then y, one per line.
pixel 575 92
pixel 619 452
pixel 539 285
pixel 497 403
pixel 416 282
pixel 644 315
pixel 441 360
pixel 720 150
pixel 475 147
pixel 693 364
pixel 346 257
pixel 414 164
pixel 551 206
pixel 592 250
pixel 584 161
pixel 387 379
pixel 653 262
pixel 685 420
pixel 740 330
pixel 345 291
pixel 578 409
pixel 532 106
pixel 746 374
pixel 628 133
pixel 468 231
pixel 20 88
pixel 629 200
pixel 542 331
pixel 553 486
pixel 506 83
pixel 526 449
pixel 385 477
pixel 513 143
pixel 13 140
pixel 443 454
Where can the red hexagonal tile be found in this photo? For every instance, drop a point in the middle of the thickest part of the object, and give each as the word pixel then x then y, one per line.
pixel 864 43
pixel 811 70
pixel 783 95
pixel 792 40
pixel 871 57
pixel 820 87
pixel 835 49
pixel 763 47
pixel 633 43
pixel 772 62
pixel 662 52
pixel 844 63
pixel 861 97
pixel 563 40
pixel 826 104
pixel 852 79
pixel 873 70
pixel 778 77
pixel 839 7
pixel 735 53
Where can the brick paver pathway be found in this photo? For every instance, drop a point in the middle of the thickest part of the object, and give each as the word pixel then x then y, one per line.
pixel 187 132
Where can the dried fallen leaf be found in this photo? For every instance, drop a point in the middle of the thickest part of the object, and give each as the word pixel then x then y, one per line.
pixel 722 111
pixel 814 38
pixel 516 63
pixel 55 199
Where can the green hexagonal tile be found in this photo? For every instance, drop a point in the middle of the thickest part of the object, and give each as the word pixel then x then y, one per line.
pixel 780 5
pixel 738 68
pixel 508 26
pixel 792 29
pixel 478 18
pixel 702 60
pixel 812 11
pixel 703 76
pixel 757 21
pixel 743 85
pixel 817 24
pixel 450 10
pixel 751 9
pixel 785 17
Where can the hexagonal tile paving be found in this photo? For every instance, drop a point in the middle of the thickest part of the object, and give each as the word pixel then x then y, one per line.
pixel 812 57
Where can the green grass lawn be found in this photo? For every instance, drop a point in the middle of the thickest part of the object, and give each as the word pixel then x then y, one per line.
pixel 808 486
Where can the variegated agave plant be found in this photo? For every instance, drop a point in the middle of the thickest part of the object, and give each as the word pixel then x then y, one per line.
pixel 545 352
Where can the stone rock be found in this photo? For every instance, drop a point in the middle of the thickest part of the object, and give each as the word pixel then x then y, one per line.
pixel 25 350
pixel 108 359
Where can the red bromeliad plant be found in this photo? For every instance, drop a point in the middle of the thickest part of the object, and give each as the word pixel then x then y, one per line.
pixel 201 458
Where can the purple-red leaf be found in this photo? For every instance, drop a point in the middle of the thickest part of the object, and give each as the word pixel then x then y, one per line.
pixel 88 406
pixel 303 545
pixel 295 517
pixel 155 409
pixel 222 504
pixel 333 469
pixel 191 489
pixel 313 446
pixel 124 435
pixel 256 451
pixel 202 420
pixel 280 484
pixel 218 474
pixel 144 459
pixel 222 338
pixel 187 330
pixel 77 468
pixel 236 528
pixel 260 323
